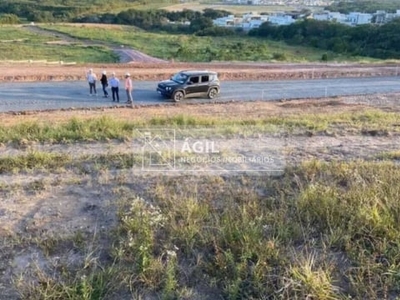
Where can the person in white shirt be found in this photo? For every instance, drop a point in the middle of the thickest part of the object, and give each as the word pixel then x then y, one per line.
pixel 114 83
pixel 92 78
pixel 128 87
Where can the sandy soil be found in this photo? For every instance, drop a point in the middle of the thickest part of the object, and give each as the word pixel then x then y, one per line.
pixel 158 71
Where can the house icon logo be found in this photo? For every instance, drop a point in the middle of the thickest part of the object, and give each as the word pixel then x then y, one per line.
pixel 157 149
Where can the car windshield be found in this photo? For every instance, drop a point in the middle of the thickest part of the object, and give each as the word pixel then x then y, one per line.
pixel 179 77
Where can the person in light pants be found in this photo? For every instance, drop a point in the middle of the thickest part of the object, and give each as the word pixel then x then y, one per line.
pixel 128 87
pixel 92 78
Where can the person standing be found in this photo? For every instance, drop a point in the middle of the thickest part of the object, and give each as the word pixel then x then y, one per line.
pixel 92 78
pixel 128 88
pixel 104 83
pixel 114 83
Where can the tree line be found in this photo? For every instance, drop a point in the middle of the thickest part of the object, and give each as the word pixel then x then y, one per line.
pixel 66 10
pixel 364 40
pixel 200 23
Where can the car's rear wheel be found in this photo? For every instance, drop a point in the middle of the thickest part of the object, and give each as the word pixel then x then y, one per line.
pixel 178 96
pixel 212 93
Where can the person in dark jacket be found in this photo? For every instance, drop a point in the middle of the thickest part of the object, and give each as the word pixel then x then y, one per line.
pixel 104 83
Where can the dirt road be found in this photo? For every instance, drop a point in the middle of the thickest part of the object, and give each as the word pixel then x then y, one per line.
pixel 28 96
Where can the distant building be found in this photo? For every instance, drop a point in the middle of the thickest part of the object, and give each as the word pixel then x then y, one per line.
pixel 356 18
pixel 228 21
pixel 281 2
pixel 251 20
pixel 330 16
pixel 281 20
pixel 382 17
pixel 252 24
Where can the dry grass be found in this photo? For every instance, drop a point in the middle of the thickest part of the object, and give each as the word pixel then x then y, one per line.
pixel 316 232
pixel 241 110
pixel 78 226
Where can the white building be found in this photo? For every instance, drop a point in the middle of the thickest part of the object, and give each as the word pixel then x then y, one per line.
pixel 252 24
pixel 356 18
pixel 253 20
pixel 281 20
pixel 249 17
pixel 330 16
pixel 382 16
pixel 228 21
pixel 321 16
pixel 250 20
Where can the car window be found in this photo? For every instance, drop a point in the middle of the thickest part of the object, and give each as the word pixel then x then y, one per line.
pixel 180 78
pixel 194 79
pixel 205 78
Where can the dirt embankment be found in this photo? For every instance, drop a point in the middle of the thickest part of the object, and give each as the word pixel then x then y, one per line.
pixel 158 71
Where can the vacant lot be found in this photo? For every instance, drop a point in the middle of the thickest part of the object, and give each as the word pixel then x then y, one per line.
pixel 99 43
pixel 234 9
pixel 80 218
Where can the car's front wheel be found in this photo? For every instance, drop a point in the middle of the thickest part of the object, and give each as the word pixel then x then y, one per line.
pixel 178 96
pixel 212 93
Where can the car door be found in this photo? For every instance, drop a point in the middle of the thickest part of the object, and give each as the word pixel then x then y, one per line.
pixel 205 83
pixel 193 85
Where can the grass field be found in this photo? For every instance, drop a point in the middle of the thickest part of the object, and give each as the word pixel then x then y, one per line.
pixel 80 225
pixel 201 5
pixel 102 129
pixel 193 48
pixel 139 5
pixel 18 43
pixel 234 9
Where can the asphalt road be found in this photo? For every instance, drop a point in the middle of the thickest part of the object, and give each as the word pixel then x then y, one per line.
pixel 22 96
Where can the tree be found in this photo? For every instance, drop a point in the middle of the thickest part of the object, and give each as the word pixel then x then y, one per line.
pixel 215 13
pixel 9 19
pixel 200 23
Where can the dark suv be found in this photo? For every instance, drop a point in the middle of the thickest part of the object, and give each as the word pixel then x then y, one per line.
pixel 190 84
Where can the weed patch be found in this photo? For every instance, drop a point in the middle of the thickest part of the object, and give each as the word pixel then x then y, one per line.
pixel 106 128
